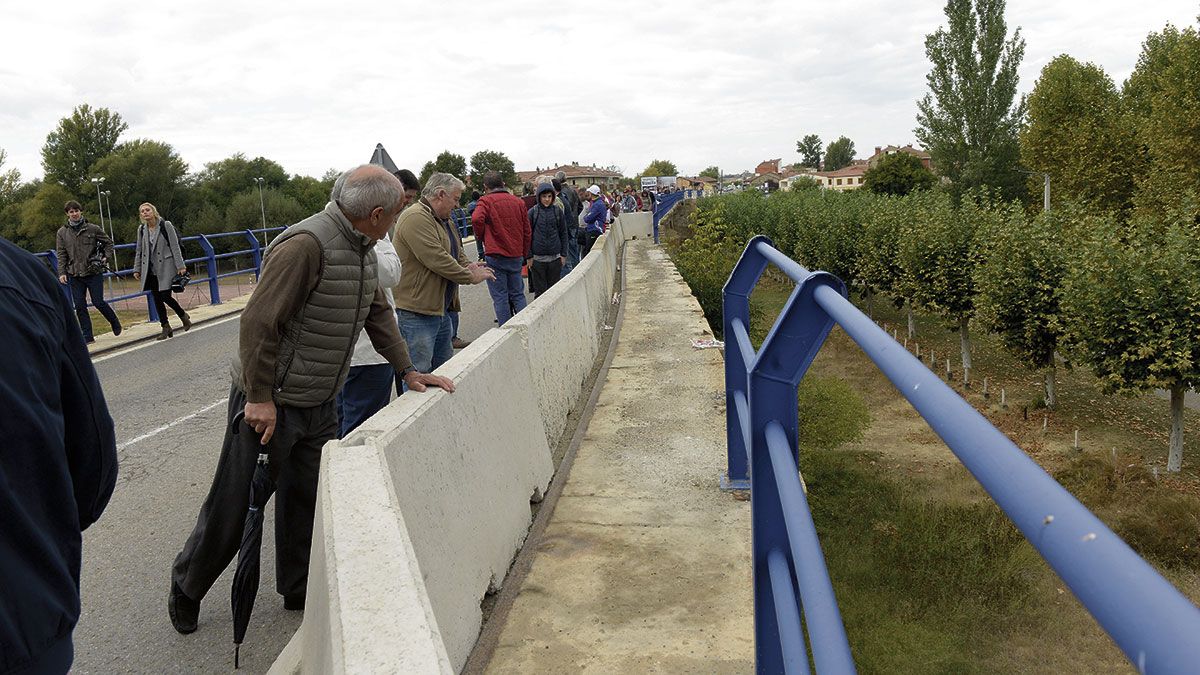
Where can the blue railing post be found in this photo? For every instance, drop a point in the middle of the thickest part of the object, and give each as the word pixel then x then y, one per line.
pixel 736 321
pixel 214 286
pixel 255 252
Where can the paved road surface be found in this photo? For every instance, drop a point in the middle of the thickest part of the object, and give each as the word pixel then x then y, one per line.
pixel 169 402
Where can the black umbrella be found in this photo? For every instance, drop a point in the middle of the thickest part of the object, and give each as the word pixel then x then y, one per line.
pixel 245 577
pixel 381 158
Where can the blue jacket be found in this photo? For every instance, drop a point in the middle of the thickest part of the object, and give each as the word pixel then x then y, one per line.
pixel 549 225
pixel 596 214
pixel 58 464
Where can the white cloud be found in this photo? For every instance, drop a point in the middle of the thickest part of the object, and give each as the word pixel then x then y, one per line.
pixel 315 87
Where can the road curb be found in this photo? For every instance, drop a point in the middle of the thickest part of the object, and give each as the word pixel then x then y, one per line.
pixel 99 351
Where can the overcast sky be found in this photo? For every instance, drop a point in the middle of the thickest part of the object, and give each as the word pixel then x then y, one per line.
pixel 314 86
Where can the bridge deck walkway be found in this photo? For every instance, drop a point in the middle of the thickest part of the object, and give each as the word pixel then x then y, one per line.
pixel 643 566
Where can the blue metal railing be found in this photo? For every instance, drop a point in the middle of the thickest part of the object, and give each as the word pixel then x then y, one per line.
pixel 209 257
pixel 668 201
pixel 462 221
pixel 1155 625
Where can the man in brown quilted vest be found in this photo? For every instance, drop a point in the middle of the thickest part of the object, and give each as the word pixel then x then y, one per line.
pixel 318 289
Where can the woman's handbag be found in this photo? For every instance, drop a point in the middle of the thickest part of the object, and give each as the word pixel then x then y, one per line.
pixel 180 282
pixel 97 262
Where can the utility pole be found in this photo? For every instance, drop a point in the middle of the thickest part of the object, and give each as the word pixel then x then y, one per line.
pixel 111 227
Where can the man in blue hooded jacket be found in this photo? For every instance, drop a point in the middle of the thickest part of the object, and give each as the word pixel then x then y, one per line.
pixel 548 245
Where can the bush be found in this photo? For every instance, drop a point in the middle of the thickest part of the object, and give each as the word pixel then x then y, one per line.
pixel 831 414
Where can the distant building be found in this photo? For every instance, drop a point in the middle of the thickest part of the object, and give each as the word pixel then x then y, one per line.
pixel 884 151
pixel 845 178
pixel 576 175
pixel 767 166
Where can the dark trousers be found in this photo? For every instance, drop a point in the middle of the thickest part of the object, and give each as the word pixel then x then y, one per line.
pixel 295 457
pixel 162 298
pixel 92 285
pixel 368 389
pixel 542 275
pixel 586 239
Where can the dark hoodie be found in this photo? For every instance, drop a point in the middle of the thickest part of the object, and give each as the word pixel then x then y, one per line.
pixel 549 225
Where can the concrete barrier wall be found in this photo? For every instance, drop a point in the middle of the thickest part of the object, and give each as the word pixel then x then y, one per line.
pixel 639 225
pixel 422 509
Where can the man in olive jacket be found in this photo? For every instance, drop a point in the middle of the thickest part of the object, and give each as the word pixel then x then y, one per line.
pixel 317 291
pixel 432 265
pixel 83 250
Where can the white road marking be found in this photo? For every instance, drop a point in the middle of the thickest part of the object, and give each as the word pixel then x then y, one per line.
pixel 152 343
pixel 170 425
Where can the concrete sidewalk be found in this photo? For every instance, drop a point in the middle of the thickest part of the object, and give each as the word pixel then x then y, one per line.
pixel 645 564
pixel 146 330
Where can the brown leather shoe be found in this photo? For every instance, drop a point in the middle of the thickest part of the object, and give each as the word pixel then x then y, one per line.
pixel 459 343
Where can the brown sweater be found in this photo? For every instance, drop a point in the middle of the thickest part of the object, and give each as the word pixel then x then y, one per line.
pixel 288 277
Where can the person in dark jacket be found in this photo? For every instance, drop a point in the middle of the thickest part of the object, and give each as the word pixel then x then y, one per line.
pixel 58 465
pixel 158 260
pixel 548 250
pixel 83 250
pixel 594 219
pixel 572 206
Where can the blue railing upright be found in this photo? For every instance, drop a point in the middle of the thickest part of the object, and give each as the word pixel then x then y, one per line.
pixel 209 257
pixel 667 202
pixel 1154 624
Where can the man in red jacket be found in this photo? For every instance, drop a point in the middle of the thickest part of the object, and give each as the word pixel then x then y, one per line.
pixel 501 222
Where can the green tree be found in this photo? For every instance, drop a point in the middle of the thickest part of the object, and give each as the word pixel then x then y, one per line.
pixel 839 154
pixel 78 142
pixel 445 162
pixel 968 121
pixel 1075 133
pixel 310 193
pixel 1131 301
pixel 245 212
pixel 219 182
pixel 883 222
pixel 898 174
pixel 937 254
pixel 9 180
pixel 1163 100
pixel 809 148
pixel 142 171
pixel 1020 283
pixel 711 172
pixel 42 214
pixel 804 184
pixel 660 167
pixel 492 160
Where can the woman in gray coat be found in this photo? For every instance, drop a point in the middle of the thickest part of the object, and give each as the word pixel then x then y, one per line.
pixel 158 260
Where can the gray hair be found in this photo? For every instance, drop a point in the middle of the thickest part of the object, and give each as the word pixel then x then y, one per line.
pixel 442 182
pixel 365 188
pixel 561 176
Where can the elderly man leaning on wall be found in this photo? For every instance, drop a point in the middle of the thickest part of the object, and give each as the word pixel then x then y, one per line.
pixel 318 289
pixel 433 265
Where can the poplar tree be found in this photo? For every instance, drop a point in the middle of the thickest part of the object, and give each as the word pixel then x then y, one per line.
pixel 969 119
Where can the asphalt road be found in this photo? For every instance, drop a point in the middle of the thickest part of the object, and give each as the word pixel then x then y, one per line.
pixel 168 400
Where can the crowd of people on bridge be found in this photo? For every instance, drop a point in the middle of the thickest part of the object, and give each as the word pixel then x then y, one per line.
pixel 352 303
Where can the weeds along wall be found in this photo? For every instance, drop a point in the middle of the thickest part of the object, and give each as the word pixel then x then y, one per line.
pixel 421 510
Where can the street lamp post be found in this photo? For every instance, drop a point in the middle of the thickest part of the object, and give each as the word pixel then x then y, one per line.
pixel 100 209
pixel 263 207
pixel 112 228
pixel 1046 189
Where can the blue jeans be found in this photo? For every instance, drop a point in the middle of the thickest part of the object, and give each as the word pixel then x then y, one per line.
pixel 428 337
pixel 366 391
pixel 572 251
pixel 508 290
pixel 93 285
pixel 453 324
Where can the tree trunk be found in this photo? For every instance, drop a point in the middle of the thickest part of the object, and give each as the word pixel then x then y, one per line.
pixel 912 326
pixel 1051 394
pixel 870 301
pixel 1175 456
pixel 965 340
